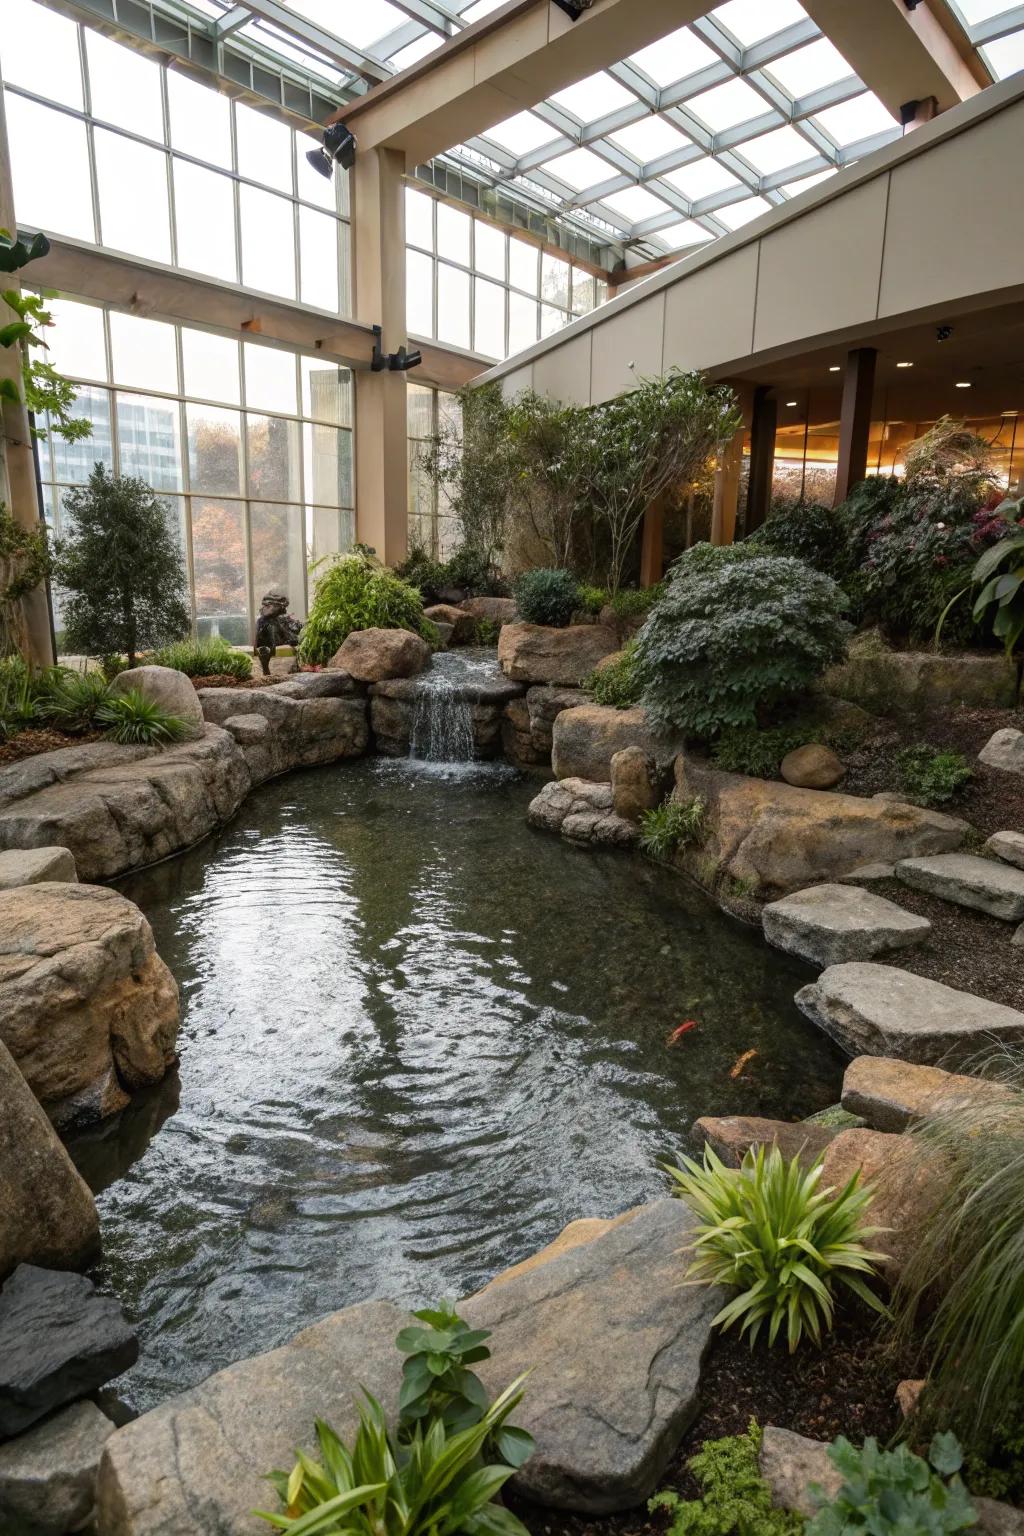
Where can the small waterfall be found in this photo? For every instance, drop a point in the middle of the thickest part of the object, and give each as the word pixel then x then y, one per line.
pixel 442 722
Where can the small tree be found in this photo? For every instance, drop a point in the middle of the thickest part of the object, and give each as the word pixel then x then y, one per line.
pixel 120 569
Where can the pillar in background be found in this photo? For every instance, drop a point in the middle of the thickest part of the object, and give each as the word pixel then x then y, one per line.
pixel 378 295
pixel 652 544
pixel 17 462
pixel 763 423
pixel 727 490
pixel 855 421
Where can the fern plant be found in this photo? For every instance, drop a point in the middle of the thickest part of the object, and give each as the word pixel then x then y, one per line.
pixel 355 592
pixel 133 720
pixel 735 1499
pixel 767 1228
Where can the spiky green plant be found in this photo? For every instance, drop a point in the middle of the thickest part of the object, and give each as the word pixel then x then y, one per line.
pixel 135 721
pixel 203 658
pixel 671 825
pixel 73 700
pixel 767 1228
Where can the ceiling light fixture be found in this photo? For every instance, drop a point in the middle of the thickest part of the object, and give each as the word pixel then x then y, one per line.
pixel 963 383
pixel 904 365
pixel 835 368
pixel 1009 413
pixel 338 145
pixel 792 402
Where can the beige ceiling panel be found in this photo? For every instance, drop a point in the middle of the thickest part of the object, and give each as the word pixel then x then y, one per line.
pixel 821 272
pixel 709 316
pixel 956 220
pixel 564 373
pixel 627 346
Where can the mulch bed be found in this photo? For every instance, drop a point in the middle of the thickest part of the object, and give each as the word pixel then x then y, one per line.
pixel 30 742
pixel 225 680
pixel 846 1388
pixel 967 950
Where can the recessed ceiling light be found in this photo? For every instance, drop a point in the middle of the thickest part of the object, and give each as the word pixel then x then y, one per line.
pixel 835 368
pixel 792 402
pixel 1009 413
pixel 963 384
pixel 904 365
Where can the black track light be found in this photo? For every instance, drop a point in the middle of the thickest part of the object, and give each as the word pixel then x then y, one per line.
pixel 338 145
pixel 396 362
pixel 574 8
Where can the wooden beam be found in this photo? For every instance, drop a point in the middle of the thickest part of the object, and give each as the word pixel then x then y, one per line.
pixel 902 55
pixel 652 544
pixel 855 421
pixel 764 419
pixel 727 490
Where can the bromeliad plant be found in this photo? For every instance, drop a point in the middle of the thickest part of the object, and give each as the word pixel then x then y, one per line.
pixel 767 1228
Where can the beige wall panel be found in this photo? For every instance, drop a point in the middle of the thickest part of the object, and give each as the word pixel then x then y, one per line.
pixel 956 221
pixel 514 383
pixel 564 374
pixel 709 317
pixel 635 336
pixel 821 272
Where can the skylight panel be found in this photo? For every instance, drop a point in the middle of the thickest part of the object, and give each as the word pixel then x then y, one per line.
pixel 974 11
pixel 480 8
pixel 649 139
pixel 580 168
pixel 738 214
pixel 678 236
pixel 856 119
pixel 594 97
pixel 775 151
pixel 724 106
pixel 521 133
pixel 674 57
pixel 810 68
pixel 701 179
pixel 1005 56
pixel 361 25
pixel 634 204
pixel 414 51
pixel 750 21
pixel 791 188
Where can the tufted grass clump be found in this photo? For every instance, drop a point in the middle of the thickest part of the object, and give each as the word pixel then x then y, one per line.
pixel 672 824
pixel 73 700
pixel 132 720
pixel 203 658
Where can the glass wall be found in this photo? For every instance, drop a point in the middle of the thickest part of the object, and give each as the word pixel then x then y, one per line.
pixel 115 149
pixel 473 286
pixel 249 445
pixel 431 524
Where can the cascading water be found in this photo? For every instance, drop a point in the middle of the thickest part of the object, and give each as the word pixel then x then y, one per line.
pixel 442 724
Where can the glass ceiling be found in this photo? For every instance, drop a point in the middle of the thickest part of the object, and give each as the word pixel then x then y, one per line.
pixel 685 140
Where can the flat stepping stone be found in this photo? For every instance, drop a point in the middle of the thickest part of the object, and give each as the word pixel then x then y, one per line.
pixel 878 1010
pixel 987 885
pixel 828 924
pixel 1004 750
pixel 732 1136
pixel 48 1474
pixel 29 866
pixel 1008 846
pixel 891 1094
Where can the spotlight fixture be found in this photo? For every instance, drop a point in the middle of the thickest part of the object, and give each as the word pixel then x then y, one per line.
pixel 395 362
pixel 790 403
pixel 835 368
pixel 574 8
pixel 338 145
pixel 943 332
pixel 963 383
pixel 904 365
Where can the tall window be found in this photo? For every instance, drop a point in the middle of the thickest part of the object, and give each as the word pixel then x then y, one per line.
pixel 431 524
pixel 118 150
pixel 471 285
pixel 249 445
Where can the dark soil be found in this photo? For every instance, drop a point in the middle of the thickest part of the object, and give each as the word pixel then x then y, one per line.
pixel 846 1388
pixel 30 742
pixel 967 950
pixel 225 680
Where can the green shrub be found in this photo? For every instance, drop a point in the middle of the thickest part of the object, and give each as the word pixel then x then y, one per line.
pixel 768 1229
pixel 745 749
pixel 615 684
pixel 931 777
pixel 1000 1473
pixel 672 824
pixel 21 693
pixel 547 597
pixel 472 569
pixel 635 602
pixel 421 570
pixel 486 632
pixel 734 634
pixel 203 658
pixel 133 720
pixel 591 600
pixel 895 1493
pixel 735 1499
pixel 806 530
pixel 74 700
pixel 355 592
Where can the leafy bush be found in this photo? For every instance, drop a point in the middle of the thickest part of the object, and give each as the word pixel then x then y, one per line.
pixel 806 530
pixel 735 634
pixel 472 568
pixel 635 602
pixel 1001 598
pixel 672 825
pixel 767 1228
pixel 895 1491
pixel 486 632
pixel 203 658
pixel 133 720
pixel 615 684
pixel 21 693
pixel 421 570
pixel 434 1486
pixel 735 1499
pixel 745 749
pixel 591 600
pixel 74 699
pixel 356 592
pixel 931 777
pixel 547 597
pixel 1000 1473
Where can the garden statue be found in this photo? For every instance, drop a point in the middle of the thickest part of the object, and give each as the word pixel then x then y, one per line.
pixel 275 626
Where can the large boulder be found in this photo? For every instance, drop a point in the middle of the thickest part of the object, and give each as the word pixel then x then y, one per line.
pixel 312 719
pixel 892 1095
pixel 87 1007
pixel 773 838
pixel 910 683
pixel 59 1340
pixel 533 653
pixel 47 1214
pixel 613 1343
pixel 877 1010
pixel 168 688
pixel 48 1474
pixel 812 767
pixel 31 865
pixel 119 808
pixel 828 924
pixel 908 1180
pixel 1005 750
pixel 585 739
pixel 461 625
pixel 1008 846
pixel 371 655
pixel 637 783
pixel 987 885
pixel 582 812
pixel 496 610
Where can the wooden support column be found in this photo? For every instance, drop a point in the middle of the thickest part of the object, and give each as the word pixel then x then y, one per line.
pixel 763 422
pixel 17 461
pixel 652 544
pixel 855 421
pixel 378 236
pixel 727 490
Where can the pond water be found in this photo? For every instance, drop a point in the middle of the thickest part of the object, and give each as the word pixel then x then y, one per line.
pixel 418 1037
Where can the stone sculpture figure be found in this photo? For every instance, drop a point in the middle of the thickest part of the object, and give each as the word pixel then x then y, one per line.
pixel 275 626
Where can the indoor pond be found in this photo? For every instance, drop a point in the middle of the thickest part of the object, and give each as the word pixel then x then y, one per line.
pixel 418 1037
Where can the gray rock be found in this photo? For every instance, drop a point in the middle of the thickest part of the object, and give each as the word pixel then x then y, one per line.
pixel 828 924
pixel 28 866
pixel 331 683
pixel 987 885
pixel 615 1348
pixel 499 610
pixel 172 690
pixel 913 682
pixel 582 812
pixel 58 1341
pixel 48 1474
pixel 1005 750
pixel 585 739
pixel 892 1095
pixel 533 653
pixel 867 873
pixel 313 719
pixel 1008 846
pixel 1018 939
pixel 248 729
pixel 877 1010
pixel 47 1214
